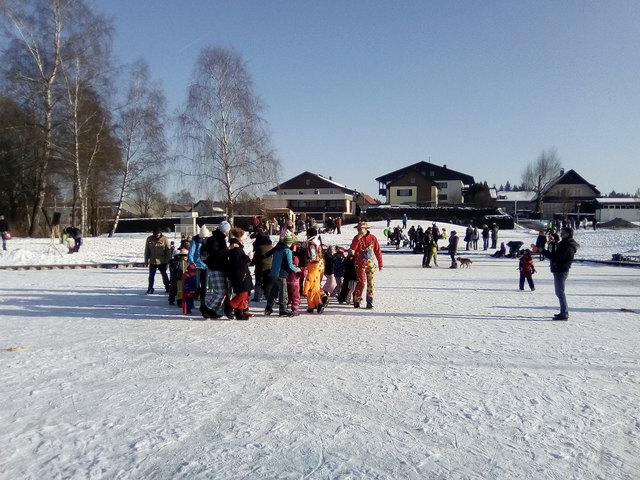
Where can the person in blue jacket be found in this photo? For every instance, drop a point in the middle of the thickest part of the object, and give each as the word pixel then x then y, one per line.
pixel 281 266
pixel 194 257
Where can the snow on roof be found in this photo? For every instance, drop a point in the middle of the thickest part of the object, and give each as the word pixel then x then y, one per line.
pixel 617 200
pixel 516 196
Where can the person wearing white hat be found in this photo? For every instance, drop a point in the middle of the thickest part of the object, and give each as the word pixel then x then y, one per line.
pixel 194 257
pixel 214 253
pixel 366 250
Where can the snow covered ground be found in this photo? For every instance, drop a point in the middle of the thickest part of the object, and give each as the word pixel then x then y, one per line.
pixel 454 374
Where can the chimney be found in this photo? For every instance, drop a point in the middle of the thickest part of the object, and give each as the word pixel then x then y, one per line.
pixel 561 171
pixel 444 166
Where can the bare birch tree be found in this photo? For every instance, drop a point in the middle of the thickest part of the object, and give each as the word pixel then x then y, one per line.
pixel 85 70
pixel 39 33
pixel 36 42
pixel 539 174
pixel 141 132
pixel 224 139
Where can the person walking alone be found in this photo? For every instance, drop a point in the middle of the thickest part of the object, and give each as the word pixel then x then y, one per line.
pixel 157 253
pixel 453 248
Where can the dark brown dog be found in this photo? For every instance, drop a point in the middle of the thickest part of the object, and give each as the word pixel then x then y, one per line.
pixel 464 262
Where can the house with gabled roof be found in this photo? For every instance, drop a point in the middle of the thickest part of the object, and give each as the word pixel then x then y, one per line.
pixel 424 184
pixel 314 195
pixel 568 193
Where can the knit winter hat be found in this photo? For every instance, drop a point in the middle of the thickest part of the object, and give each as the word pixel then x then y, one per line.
pixel 288 240
pixel 204 232
pixel 224 227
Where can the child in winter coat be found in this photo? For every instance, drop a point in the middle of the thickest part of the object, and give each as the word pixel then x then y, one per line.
pixel 293 288
pixel 527 269
pixel 177 268
pixel 338 270
pixel 71 244
pixel 189 286
pixel 239 275
pixel 330 283
pixel 349 280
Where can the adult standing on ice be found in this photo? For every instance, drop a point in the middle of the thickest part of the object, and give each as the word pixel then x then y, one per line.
pixel 214 253
pixel 4 231
pixel 157 253
pixel 453 248
pixel 561 258
pixel 366 250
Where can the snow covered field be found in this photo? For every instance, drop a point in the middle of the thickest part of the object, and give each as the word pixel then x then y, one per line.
pixel 454 374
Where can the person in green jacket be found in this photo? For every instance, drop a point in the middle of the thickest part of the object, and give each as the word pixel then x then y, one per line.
pixel 157 253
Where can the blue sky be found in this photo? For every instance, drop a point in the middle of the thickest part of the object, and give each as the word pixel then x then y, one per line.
pixel 357 89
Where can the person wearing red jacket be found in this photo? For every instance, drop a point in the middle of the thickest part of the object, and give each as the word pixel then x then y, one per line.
pixel 366 251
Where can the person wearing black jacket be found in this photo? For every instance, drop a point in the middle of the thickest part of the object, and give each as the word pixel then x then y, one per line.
pixel 239 275
pixel 4 231
pixel 214 253
pixel 561 258
pixel 77 237
pixel 262 263
pixel 541 242
pixel 452 249
pixel 349 279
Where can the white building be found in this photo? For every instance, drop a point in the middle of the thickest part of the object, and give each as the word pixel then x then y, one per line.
pixel 608 209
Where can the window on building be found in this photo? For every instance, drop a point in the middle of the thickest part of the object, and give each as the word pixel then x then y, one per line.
pixel 413 180
pixel 442 197
pixel 308 181
pixel 404 192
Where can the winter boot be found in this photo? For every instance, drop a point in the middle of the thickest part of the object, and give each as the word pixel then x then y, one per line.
pixel 454 265
pixel 324 300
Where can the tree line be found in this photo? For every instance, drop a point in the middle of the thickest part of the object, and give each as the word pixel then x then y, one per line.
pixel 75 125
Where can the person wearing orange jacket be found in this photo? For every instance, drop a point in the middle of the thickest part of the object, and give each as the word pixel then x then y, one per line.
pixel 366 250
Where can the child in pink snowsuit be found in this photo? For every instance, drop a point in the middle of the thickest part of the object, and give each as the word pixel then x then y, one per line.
pixel 293 288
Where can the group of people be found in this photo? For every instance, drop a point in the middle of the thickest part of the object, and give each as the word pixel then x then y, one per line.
pixel 215 268
pixel 278 225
